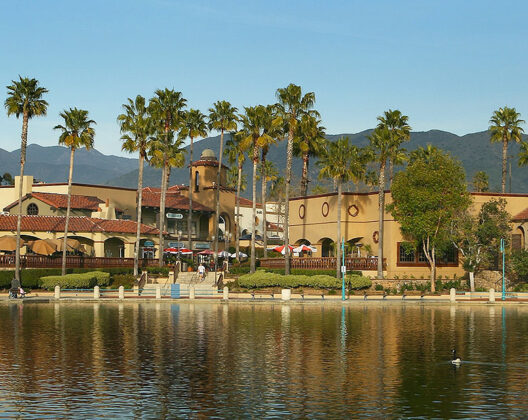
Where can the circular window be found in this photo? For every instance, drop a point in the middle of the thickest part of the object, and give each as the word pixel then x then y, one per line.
pixel 353 210
pixel 32 209
pixel 325 209
pixel 302 211
pixel 375 237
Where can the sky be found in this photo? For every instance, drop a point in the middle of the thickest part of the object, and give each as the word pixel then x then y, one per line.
pixel 446 64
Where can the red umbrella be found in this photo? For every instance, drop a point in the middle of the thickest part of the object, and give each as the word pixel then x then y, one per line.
pixel 305 248
pixel 206 252
pixel 184 251
pixel 281 249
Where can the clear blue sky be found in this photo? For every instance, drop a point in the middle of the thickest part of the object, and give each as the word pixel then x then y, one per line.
pixel 446 64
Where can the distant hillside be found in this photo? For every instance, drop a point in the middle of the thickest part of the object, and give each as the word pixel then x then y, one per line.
pixel 50 164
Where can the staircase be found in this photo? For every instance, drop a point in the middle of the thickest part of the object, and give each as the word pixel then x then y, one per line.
pixel 205 288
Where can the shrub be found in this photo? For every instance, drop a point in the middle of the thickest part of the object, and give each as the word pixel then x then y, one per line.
pixel 357 282
pixel 264 279
pixel 164 271
pixel 378 287
pixel 75 281
pixel 125 280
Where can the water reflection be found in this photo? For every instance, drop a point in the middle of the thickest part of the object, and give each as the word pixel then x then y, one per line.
pixel 166 360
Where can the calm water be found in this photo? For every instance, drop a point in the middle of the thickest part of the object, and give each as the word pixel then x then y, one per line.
pixel 261 360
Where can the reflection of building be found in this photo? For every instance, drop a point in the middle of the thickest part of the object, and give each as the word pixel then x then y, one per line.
pixel 105 210
pixel 313 220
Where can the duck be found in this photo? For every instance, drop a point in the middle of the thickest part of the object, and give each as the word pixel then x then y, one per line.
pixel 455 360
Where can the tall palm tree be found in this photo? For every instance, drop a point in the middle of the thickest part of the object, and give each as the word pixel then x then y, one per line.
pixel 222 117
pixel 24 97
pixel 167 109
pixel 77 132
pixel 342 162
pixel 400 131
pixel 236 153
pixel 505 127
pixel 195 126
pixel 136 127
pixel 292 105
pixel 257 123
pixel 308 142
pixel 267 172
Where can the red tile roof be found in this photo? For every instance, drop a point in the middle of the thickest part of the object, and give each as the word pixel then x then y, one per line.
pixel 523 215
pixel 244 202
pixel 172 201
pixel 76 224
pixel 273 227
pixel 60 201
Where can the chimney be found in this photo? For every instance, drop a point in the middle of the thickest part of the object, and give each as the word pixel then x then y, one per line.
pixel 107 202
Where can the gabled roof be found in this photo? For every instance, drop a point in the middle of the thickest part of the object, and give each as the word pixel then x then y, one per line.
pixel 244 202
pixel 76 224
pixel 60 201
pixel 172 201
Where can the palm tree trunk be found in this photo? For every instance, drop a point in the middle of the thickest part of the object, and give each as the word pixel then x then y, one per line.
pixel 68 209
pixel 304 177
pixel 254 186
pixel 162 211
pixel 289 157
pixel 263 192
pixel 191 188
pixel 217 198
pixel 381 209
pixel 23 145
pixel 504 162
pixel 139 204
pixel 338 241
pixel 237 218
pixel 391 173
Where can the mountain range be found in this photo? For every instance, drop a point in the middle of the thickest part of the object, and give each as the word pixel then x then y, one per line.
pixel 50 163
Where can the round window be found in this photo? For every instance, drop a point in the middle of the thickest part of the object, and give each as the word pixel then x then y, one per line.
pixel 325 209
pixel 302 211
pixel 32 209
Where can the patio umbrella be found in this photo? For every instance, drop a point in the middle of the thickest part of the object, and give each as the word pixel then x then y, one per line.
pixel 8 243
pixel 206 252
pixel 42 247
pixel 240 254
pixel 224 254
pixel 183 251
pixel 304 248
pixel 281 249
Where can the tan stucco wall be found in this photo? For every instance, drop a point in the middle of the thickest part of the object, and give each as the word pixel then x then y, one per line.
pixel 47 210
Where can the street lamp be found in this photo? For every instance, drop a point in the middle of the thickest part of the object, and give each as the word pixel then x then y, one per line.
pixel 178 247
pixel 227 237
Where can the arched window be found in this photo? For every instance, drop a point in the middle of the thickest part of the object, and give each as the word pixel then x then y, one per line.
pixel 32 209
pixel 196 181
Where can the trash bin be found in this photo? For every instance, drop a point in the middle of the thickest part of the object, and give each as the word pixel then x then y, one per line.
pixel 184 266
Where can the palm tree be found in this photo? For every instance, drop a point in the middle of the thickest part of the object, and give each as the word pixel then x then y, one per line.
pixel 222 117
pixel 342 162
pixel 399 131
pixel 77 132
pixel 166 107
pixel 292 105
pixel 236 154
pixel 195 126
pixel 267 172
pixel 505 127
pixel 136 128
pixel 308 143
pixel 257 125
pixel 24 97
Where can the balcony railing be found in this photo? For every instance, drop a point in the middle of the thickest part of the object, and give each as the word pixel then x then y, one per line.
pixel 40 261
pixel 323 263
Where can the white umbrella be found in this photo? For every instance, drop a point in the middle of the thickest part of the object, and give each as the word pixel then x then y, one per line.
pixel 224 254
pixel 304 248
pixel 240 254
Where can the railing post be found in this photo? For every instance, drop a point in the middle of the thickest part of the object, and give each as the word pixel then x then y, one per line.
pixel 492 295
pixel 97 295
pixel 452 295
pixel 191 292
pixel 57 292
pixel 225 295
pixel 121 292
pixel 158 291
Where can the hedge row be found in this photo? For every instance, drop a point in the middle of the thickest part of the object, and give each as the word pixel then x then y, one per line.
pixel 320 281
pixel 76 281
pixel 297 271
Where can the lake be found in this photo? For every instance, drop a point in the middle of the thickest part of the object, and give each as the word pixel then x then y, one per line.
pixel 238 360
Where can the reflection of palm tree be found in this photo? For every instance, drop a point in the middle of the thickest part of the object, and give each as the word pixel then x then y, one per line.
pixel 292 105
pixel 342 162
pixel 195 126
pixel 136 127
pixel 505 127
pixel 77 132
pixel 24 97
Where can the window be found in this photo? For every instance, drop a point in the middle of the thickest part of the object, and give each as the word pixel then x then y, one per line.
pixel 32 209
pixel 406 254
pixel 409 256
pixel 196 181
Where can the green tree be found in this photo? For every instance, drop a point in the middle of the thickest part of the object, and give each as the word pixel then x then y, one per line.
pixel 77 132
pixel 7 179
pixel 505 127
pixel 308 142
pixel 24 97
pixel 427 196
pixel 342 162
pixel 167 110
pixel 266 172
pixel 257 124
pixel 291 107
pixel 481 181
pixel 136 128
pixel 195 126
pixel 222 117
pixel 235 152
pixel 477 237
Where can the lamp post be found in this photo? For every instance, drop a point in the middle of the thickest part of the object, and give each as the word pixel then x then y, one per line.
pixel 178 247
pixel 227 238
pixel 343 269
pixel 502 246
pixel 213 237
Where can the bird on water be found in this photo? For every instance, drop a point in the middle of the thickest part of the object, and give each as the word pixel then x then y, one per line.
pixel 455 359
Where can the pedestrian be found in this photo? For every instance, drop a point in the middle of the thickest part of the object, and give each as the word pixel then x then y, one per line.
pixel 201 271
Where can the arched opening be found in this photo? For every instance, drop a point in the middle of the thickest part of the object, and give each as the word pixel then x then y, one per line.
pixel 327 247
pixel 518 239
pixel 114 248
pixel 302 242
pixel 353 247
pixel 86 246
pixel 146 248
